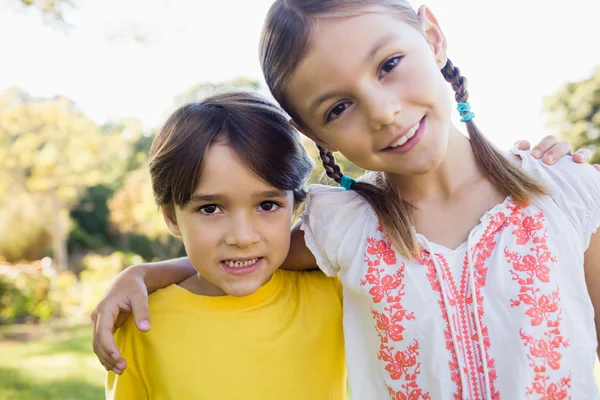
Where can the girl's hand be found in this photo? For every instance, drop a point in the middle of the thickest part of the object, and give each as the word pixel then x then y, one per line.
pixel 550 150
pixel 126 294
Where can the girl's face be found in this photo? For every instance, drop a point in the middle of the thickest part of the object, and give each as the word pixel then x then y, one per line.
pixel 236 228
pixel 371 87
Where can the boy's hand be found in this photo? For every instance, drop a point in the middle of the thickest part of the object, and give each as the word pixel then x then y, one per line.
pixel 126 294
pixel 550 150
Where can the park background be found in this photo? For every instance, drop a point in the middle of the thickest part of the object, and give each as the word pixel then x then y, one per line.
pixel 85 84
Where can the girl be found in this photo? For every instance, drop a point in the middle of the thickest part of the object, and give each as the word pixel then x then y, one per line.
pixel 466 274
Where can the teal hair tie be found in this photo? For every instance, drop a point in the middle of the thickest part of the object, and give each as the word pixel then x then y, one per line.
pixel 464 109
pixel 347 182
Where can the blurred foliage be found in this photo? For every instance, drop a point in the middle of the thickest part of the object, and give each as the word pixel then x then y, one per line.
pixel 27 298
pixel 51 10
pixel 31 294
pixel 205 89
pixel 50 156
pixel 575 111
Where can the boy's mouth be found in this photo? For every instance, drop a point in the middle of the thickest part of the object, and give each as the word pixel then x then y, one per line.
pixel 241 263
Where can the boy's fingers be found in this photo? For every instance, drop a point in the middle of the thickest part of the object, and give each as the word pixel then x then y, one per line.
pixel 582 156
pixel 542 147
pixel 523 144
pixel 557 152
pixel 141 313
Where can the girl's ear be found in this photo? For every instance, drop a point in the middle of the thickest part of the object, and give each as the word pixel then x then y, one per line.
pixel 434 35
pixel 310 134
pixel 171 222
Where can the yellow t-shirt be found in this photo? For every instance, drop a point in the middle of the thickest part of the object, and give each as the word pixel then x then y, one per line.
pixel 283 342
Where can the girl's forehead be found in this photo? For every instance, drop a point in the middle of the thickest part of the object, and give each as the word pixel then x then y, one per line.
pixel 341 48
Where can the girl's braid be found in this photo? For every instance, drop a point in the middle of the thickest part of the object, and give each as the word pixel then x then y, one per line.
pixel 331 168
pixel 459 83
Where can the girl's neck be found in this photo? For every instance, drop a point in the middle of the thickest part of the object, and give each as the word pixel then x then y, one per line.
pixel 456 169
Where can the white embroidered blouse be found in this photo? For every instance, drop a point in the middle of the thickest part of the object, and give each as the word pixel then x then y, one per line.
pixel 411 329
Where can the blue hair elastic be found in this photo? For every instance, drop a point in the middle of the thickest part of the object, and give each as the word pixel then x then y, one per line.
pixel 464 109
pixel 347 182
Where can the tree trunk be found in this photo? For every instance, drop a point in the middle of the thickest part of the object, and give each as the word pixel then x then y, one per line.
pixel 59 234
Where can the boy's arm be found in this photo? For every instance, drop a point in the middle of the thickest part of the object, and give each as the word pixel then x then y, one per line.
pixel 592 278
pixel 550 150
pixel 129 293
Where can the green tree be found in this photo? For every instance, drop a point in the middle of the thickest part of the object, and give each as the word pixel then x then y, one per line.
pixel 134 212
pixel 52 151
pixel 575 111
pixel 205 89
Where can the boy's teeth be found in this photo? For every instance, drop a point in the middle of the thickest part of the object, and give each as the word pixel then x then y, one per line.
pixel 240 264
pixel 408 135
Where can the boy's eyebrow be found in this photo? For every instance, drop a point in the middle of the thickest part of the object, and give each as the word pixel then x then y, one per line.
pixel 204 197
pixel 384 41
pixel 270 193
pixel 199 197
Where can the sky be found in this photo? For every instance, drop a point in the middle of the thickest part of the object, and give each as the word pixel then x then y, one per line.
pixel 514 53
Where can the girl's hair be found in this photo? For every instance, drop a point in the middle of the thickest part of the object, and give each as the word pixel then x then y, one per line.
pixel 257 130
pixel 285 41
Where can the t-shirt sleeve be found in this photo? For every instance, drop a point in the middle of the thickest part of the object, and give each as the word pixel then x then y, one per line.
pixel 333 215
pixel 574 187
pixel 129 385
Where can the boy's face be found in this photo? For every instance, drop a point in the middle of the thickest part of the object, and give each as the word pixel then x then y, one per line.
pixel 236 228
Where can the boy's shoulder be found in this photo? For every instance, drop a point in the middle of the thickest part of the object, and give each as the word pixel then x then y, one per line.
pixel 315 281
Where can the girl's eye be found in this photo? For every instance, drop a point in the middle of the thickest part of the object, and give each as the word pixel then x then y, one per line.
pixel 269 206
pixel 209 209
pixel 336 111
pixel 388 66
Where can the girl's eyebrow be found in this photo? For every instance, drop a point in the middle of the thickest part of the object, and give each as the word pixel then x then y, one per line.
pixel 381 42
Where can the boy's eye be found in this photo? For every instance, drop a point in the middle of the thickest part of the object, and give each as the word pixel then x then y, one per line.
pixel 336 111
pixel 388 66
pixel 268 206
pixel 209 209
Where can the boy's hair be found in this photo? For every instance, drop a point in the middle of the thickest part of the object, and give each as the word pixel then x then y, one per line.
pixel 285 41
pixel 254 128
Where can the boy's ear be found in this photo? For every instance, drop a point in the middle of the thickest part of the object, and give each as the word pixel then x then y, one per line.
pixel 434 35
pixel 310 134
pixel 169 217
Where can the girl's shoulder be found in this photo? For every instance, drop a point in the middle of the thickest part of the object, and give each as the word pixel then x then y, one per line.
pixel 334 215
pixel 575 188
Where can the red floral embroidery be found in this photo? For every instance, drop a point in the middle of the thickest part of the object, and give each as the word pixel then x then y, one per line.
pixel 460 301
pixel 542 308
pixel 389 289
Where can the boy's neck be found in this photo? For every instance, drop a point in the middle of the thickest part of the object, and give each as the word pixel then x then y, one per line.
pixel 198 285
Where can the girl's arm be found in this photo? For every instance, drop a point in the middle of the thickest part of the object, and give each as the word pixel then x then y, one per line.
pixel 592 278
pixel 129 293
pixel 299 258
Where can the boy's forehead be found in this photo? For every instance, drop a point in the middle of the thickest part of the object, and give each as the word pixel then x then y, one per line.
pixel 224 173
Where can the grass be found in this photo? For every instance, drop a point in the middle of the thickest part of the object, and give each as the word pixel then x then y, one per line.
pixel 49 363
pixel 54 363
